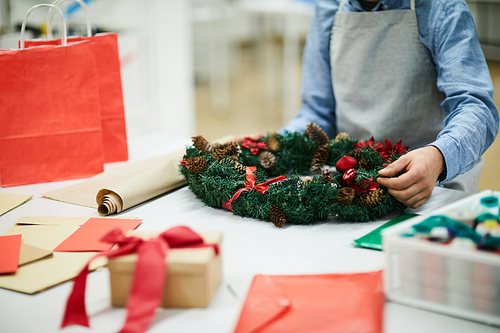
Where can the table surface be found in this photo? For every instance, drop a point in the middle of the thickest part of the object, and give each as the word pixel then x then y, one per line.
pixel 249 247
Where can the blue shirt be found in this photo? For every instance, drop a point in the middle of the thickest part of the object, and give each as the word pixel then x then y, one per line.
pixel 448 34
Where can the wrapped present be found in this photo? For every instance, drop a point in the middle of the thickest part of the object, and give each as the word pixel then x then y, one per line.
pixel 177 268
pixel 193 275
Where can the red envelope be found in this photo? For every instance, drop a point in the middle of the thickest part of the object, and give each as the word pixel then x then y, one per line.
pixel 88 237
pixel 344 303
pixel 10 247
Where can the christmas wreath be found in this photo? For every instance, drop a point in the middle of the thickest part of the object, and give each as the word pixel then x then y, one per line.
pixel 236 176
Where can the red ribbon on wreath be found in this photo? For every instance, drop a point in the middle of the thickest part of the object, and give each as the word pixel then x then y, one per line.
pixel 148 280
pixel 250 185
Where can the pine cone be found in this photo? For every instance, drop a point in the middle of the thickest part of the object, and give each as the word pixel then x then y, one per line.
pixel 315 133
pixel 202 144
pixel 320 157
pixel 372 198
pixel 230 160
pixel 196 164
pixel 342 135
pixel 277 216
pixel 226 149
pixel 356 153
pixel 240 168
pixel 327 176
pixel 365 164
pixel 273 144
pixel 267 159
pixel 346 195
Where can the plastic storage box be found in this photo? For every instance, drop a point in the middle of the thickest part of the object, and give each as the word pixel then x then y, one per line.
pixel 461 282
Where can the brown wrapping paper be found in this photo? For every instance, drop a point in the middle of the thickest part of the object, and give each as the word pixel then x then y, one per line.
pixel 146 181
pixel 126 186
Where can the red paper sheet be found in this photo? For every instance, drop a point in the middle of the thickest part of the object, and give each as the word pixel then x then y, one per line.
pixel 10 247
pixel 347 303
pixel 88 237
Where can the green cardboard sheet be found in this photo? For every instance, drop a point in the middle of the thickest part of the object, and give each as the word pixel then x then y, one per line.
pixel 373 239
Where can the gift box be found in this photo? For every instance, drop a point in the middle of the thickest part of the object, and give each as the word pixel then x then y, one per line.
pixel 194 274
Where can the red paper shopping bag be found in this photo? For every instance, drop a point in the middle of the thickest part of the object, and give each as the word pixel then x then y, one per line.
pixel 50 123
pixel 114 133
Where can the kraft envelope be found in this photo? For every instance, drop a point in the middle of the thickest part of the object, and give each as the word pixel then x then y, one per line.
pixel 46 237
pixel 30 253
pixel 46 273
pixel 51 220
pixel 347 303
pixel 88 236
pixel 10 247
pixel 47 233
pixel 9 201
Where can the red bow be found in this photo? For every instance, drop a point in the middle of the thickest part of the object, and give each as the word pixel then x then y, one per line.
pixel 149 275
pixel 254 145
pixel 250 185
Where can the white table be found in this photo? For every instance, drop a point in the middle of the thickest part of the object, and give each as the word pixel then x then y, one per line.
pixel 249 247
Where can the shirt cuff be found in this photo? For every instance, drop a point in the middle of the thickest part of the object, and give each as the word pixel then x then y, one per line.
pixel 451 159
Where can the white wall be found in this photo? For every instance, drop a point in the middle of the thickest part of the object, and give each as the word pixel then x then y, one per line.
pixel 155 41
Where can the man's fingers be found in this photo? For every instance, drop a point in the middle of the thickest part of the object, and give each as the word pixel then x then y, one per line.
pixel 406 189
pixel 412 200
pixel 398 183
pixel 399 165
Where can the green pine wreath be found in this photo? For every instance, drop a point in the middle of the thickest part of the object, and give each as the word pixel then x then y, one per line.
pixel 236 176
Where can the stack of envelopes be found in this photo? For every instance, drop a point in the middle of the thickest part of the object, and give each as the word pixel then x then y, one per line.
pixel 53 250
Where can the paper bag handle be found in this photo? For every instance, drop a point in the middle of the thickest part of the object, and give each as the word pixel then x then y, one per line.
pixel 23 27
pixel 50 16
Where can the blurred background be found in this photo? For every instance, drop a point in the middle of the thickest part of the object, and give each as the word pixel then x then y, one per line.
pixel 216 67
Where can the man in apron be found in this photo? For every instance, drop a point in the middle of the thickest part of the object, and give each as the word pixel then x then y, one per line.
pixel 402 69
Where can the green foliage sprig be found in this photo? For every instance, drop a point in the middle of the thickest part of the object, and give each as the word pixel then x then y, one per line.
pixel 216 172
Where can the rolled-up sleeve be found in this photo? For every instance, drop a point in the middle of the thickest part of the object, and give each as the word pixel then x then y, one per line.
pixel 471 121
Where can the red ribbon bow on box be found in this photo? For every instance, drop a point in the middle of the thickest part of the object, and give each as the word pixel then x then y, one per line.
pixel 149 275
pixel 250 185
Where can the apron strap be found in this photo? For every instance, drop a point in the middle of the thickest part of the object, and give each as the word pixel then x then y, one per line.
pixel 341 6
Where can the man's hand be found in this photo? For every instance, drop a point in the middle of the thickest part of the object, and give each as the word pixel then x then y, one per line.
pixel 421 168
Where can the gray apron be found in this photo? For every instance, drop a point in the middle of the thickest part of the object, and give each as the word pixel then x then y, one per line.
pixel 384 82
